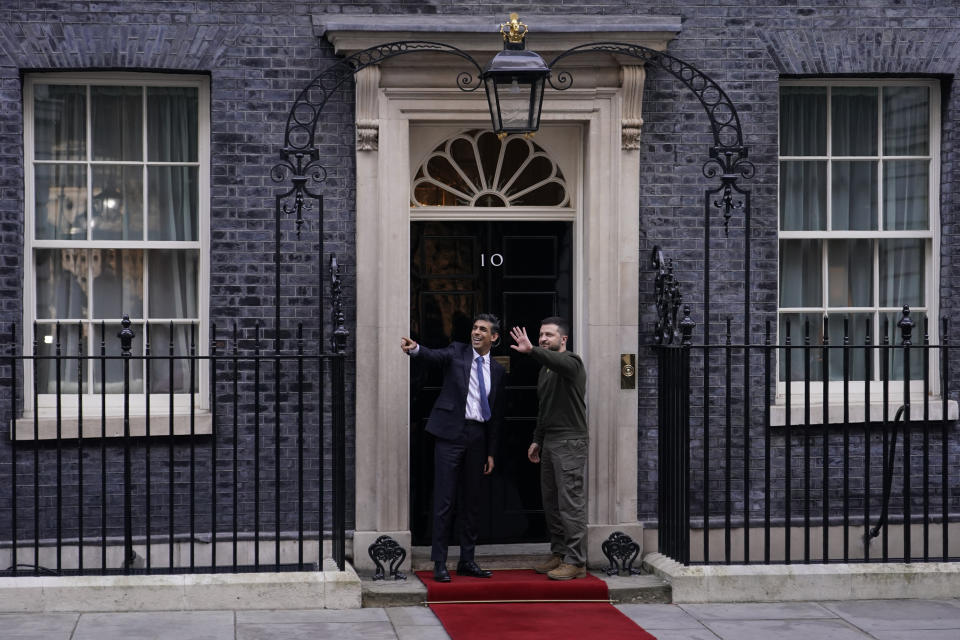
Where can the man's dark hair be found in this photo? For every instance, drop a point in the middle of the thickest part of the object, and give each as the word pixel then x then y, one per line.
pixel 492 319
pixel 561 323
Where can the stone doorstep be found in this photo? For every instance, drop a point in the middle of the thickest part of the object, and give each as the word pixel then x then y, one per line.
pixel 645 588
pixel 805 582
pixel 329 589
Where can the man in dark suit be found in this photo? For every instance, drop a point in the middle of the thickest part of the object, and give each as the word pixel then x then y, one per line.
pixel 465 420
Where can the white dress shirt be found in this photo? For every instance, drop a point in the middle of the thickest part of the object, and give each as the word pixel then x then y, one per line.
pixel 473 389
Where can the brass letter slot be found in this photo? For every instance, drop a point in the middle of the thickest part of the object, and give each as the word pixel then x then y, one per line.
pixel 505 361
pixel 628 371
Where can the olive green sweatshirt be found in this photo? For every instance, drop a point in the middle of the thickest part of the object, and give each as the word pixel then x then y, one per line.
pixel 562 391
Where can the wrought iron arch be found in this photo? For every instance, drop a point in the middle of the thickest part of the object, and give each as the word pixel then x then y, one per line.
pixel 727 157
pixel 300 157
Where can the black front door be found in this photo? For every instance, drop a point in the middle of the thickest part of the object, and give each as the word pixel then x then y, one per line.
pixel 522 272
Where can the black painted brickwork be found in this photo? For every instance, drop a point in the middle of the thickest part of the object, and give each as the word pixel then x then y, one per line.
pixel 259 54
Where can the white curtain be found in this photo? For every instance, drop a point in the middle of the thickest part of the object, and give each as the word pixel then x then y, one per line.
pixel 172 215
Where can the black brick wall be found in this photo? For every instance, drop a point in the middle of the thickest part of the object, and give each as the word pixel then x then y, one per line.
pixel 259 54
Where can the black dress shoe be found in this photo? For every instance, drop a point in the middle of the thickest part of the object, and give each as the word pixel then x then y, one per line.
pixel 471 569
pixel 440 573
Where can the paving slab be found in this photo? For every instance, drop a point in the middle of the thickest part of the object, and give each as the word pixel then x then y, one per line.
pixel 758 611
pixel 412 617
pixel 156 625
pixel 887 615
pixel 684 634
pixel 422 633
pixel 786 630
pixel 926 634
pixel 310 616
pixel 37 626
pixel 316 631
pixel 659 616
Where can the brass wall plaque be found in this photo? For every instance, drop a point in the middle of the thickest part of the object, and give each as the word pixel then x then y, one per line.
pixel 628 371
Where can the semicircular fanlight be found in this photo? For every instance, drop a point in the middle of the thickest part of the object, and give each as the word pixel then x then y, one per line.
pixel 477 169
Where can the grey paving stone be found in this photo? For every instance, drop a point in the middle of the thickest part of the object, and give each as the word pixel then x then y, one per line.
pixel 311 616
pixel 412 617
pixel 37 626
pixel 785 630
pixel 317 631
pixel 885 615
pixel 159 625
pixel 684 634
pixel 758 611
pixel 924 634
pixel 422 633
pixel 659 616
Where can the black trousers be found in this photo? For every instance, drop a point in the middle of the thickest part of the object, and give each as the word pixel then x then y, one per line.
pixel 457 474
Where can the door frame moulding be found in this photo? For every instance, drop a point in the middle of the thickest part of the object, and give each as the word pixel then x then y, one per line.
pixel 606 285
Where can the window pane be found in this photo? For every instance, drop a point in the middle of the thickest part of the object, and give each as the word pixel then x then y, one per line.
pixel 172 124
pixel 177 368
pixel 800 273
pixel 172 203
pixel 117 202
pixel 906 121
pixel 60 122
pixel 117 123
pixel 854 327
pixel 803 196
pixel 68 342
pixel 854 196
pixel 853 128
pixel 117 283
pixel 61 283
pixel 896 356
pixel 60 202
pixel 801 329
pixel 113 368
pixel 906 195
pixel 173 284
pixel 901 273
pixel 850 273
pixel 803 121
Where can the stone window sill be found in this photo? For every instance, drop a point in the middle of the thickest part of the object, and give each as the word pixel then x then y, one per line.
pixel 23 429
pixel 857 411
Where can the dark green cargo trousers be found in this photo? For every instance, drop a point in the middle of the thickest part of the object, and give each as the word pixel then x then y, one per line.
pixel 563 469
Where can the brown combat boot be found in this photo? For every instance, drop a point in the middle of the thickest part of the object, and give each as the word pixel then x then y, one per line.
pixel 567 572
pixel 548 566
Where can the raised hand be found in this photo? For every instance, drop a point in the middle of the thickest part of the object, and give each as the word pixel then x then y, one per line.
pixel 407 344
pixel 519 335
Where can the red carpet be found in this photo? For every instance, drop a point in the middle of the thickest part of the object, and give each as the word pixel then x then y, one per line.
pixel 464 607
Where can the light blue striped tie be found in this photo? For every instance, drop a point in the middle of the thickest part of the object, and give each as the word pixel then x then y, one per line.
pixel 484 403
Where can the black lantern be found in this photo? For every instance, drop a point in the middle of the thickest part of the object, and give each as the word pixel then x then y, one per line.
pixel 514 82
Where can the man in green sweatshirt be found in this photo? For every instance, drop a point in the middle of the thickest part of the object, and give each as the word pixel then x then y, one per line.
pixel 560 445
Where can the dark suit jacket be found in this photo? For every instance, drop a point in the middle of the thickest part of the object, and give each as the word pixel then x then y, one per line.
pixel 446 418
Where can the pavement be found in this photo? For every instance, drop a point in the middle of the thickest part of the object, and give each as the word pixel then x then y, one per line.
pixel 848 620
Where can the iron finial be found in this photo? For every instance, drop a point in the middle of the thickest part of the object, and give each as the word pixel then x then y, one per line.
pixel 126 336
pixel 686 326
pixel 906 325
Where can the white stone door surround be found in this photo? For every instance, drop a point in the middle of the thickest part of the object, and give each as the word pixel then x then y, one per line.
pixel 420 89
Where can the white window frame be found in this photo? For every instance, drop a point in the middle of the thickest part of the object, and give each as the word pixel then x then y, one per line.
pixel 159 402
pixel 856 388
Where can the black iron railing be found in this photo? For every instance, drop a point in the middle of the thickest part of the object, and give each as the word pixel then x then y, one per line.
pixel 847 452
pixel 244 473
